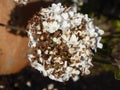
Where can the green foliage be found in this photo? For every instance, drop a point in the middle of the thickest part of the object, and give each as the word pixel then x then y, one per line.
pixel 117 75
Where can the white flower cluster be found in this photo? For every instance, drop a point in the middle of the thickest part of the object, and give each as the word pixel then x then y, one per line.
pixel 24 2
pixel 61 42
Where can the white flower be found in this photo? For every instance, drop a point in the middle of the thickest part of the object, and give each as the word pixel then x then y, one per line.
pixel 65 26
pixel 32 42
pixel 58 18
pixel 50 26
pixel 39 51
pixel 71 14
pixel 75 78
pixel 39 67
pixel 65 37
pixel 73 40
pixel 99 45
pixel 69 38
pixel 30 57
pixel 72 50
pixel 99 31
pixel 56 8
pixel 65 16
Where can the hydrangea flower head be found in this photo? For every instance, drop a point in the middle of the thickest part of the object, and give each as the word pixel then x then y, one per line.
pixel 61 42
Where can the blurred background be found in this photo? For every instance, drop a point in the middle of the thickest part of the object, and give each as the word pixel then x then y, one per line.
pixel 15 71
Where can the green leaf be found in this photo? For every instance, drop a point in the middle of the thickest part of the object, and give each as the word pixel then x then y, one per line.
pixel 117 75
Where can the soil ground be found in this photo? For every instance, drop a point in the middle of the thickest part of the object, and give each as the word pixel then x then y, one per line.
pixel 31 79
